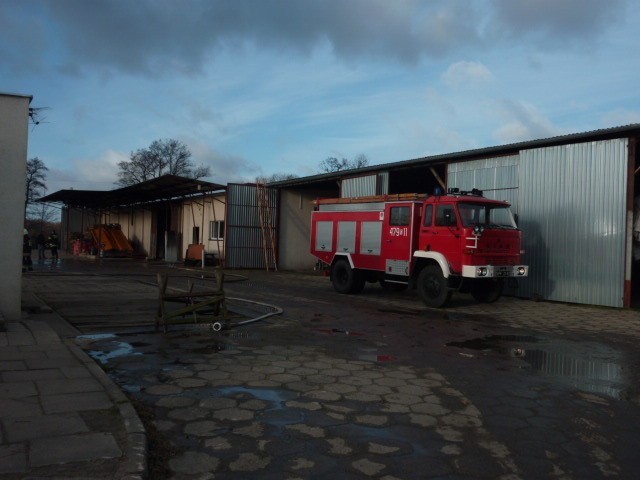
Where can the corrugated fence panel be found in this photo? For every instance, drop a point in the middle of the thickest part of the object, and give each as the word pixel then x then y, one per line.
pixel 573 215
pixel 359 186
pixel 497 177
pixel 244 243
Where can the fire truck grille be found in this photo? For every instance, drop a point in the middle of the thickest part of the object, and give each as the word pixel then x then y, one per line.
pixel 500 260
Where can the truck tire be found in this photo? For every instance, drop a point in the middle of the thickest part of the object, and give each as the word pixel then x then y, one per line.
pixel 345 279
pixel 487 291
pixel 432 287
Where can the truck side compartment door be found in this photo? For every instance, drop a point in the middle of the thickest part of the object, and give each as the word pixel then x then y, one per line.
pixel 346 237
pixel 396 238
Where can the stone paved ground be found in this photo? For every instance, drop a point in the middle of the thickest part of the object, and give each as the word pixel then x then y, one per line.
pixel 377 386
pixel 297 411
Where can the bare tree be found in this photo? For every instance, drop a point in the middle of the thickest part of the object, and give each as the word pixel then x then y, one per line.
pixel 40 215
pixel 142 166
pixel 163 157
pixel 36 177
pixel 277 177
pixel 332 164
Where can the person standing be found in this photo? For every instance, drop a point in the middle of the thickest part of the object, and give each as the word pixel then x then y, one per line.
pixel 54 243
pixel 41 244
pixel 27 263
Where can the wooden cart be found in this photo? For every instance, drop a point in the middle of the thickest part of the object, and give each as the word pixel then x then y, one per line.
pixel 200 307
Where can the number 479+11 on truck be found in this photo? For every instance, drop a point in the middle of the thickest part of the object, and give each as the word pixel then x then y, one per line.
pixel 435 243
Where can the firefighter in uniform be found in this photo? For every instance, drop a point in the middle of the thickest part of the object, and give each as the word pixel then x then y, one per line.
pixel 53 243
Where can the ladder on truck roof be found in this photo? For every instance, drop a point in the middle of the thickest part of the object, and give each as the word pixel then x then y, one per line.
pixel 396 197
pixel 266 225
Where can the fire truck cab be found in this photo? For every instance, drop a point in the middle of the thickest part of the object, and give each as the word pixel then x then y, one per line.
pixel 437 244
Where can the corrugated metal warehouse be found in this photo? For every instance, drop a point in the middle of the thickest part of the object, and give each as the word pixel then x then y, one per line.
pixel 573 196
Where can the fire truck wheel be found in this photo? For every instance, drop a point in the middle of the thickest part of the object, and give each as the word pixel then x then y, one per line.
pixel 345 279
pixel 487 291
pixel 432 287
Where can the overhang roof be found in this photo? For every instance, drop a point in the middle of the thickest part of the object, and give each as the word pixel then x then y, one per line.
pixel 166 187
pixel 501 150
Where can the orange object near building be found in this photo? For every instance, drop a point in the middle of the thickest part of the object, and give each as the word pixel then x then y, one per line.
pixel 109 238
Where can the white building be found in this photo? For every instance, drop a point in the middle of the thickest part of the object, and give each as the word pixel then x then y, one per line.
pixel 14 129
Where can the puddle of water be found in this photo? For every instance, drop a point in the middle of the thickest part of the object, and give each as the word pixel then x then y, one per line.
pixel 492 342
pixel 589 370
pixel 122 349
pixel 274 396
pixel 131 388
pixel 591 375
pixel 97 336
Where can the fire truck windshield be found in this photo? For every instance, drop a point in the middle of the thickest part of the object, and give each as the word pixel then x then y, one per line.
pixel 491 216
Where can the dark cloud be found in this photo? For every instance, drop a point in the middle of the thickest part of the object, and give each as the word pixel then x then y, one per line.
pixel 553 20
pixel 169 37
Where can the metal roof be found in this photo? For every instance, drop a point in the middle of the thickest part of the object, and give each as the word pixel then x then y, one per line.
pixel 166 187
pixel 508 149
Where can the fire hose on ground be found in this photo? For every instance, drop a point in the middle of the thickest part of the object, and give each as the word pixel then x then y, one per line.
pixel 217 326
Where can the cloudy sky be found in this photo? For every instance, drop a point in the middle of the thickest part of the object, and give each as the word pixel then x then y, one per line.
pixel 256 87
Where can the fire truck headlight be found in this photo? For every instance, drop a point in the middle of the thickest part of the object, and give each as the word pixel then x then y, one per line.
pixel 482 271
pixel 522 270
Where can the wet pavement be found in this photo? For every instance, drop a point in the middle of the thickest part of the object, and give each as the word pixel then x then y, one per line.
pixel 367 386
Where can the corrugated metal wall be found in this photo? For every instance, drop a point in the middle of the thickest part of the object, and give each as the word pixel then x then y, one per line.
pixel 497 177
pixel 364 186
pixel 571 204
pixel 243 243
pixel 573 214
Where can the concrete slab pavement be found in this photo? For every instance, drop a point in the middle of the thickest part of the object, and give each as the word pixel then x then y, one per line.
pixel 61 416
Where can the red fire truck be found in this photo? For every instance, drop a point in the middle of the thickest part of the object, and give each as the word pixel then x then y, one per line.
pixel 439 243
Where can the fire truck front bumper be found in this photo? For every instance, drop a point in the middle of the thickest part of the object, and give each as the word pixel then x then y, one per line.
pixel 495 271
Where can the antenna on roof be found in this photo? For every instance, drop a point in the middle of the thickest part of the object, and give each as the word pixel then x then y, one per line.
pixel 35 115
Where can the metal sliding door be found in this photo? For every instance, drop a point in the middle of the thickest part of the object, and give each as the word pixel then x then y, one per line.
pixel 245 244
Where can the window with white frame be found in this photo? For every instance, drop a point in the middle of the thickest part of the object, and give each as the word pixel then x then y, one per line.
pixel 216 230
